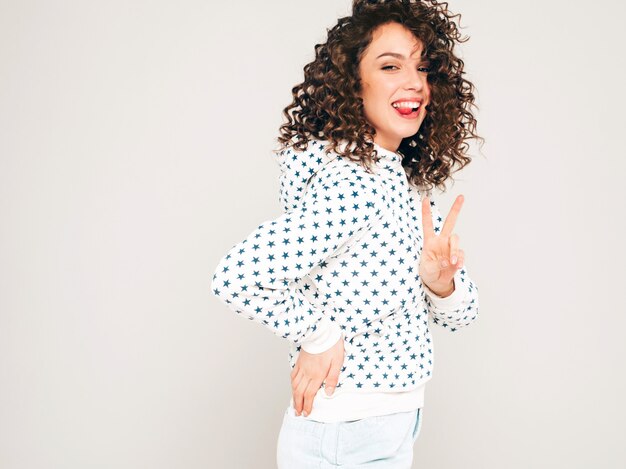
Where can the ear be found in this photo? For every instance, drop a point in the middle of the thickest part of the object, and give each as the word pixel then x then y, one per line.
pixel 359 92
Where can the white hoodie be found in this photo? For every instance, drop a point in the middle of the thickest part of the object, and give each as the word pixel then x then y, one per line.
pixel 342 261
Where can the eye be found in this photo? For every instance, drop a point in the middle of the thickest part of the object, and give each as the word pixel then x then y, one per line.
pixel 424 69
pixel 387 67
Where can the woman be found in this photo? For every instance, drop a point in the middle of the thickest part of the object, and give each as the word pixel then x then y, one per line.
pixel 360 260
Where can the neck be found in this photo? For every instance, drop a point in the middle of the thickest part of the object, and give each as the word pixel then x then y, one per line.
pixel 386 144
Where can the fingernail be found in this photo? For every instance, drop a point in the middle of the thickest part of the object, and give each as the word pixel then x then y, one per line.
pixel 329 390
pixel 444 263
pixel 304 413
pixel 453 259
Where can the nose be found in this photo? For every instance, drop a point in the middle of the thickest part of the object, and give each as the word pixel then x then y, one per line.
pixel 415 80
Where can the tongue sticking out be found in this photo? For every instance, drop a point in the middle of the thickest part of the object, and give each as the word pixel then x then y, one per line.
pixel 405 110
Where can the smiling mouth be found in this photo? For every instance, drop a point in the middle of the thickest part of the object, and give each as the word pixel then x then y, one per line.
pixel 406 108
pixel 407 111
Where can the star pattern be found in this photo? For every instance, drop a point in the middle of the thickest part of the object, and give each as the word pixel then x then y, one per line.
pixel 345 252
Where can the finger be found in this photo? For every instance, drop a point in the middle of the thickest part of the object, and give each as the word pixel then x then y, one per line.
pixel 295 370
pixel 298 393
pixel 297 402
pixel 309 395
pixel 298 397
pixel 333 377
pixel 454 249
pixel 427 218
pixel 295 382
pixel 461 262
pixel 448 225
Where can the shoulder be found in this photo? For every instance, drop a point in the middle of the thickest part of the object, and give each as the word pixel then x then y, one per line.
pixel 345 180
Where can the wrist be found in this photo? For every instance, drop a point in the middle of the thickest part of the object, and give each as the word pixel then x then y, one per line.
pixel 443 292
pixel 326 335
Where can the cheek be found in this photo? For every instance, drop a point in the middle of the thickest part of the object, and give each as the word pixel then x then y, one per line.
pixel 375 111
pixel 372 105
pixel 427 91
pixel 379 97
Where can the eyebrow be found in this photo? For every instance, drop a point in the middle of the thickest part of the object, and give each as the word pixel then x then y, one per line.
pixel 396 55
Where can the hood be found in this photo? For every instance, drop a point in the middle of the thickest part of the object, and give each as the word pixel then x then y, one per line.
pixel 297 168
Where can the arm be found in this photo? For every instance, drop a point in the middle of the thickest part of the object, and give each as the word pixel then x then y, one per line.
pixel 460 308
pixel 264 277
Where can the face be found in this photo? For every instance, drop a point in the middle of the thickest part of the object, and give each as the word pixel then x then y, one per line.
pixel 394 82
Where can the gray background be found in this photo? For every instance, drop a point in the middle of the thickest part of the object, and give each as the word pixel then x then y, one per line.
pixel 135 149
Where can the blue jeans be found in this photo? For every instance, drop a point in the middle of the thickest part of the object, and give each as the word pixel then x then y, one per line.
pixel 384 441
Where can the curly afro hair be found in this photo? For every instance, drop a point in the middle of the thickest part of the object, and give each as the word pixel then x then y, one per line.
pixel 326 104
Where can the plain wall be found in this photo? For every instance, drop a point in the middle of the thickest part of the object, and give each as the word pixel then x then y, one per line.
pixel 135 150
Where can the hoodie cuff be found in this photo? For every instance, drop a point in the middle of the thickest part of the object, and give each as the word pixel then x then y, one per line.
pixel 325 336
pixel 450 302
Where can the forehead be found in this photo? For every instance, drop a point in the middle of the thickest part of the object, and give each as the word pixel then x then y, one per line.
pixel 393 37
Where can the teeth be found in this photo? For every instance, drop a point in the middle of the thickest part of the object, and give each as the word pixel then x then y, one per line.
pixel 412 105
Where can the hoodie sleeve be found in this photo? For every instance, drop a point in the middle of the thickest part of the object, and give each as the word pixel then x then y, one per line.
pixel 264 277
pixel 460 308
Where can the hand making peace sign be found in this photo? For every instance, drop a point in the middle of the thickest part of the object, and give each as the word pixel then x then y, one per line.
pixel 441 256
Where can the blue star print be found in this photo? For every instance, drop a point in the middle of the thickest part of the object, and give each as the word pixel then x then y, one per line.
pixel 343 260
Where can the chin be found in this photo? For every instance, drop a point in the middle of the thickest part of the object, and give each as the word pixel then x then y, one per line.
pixel 409 133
